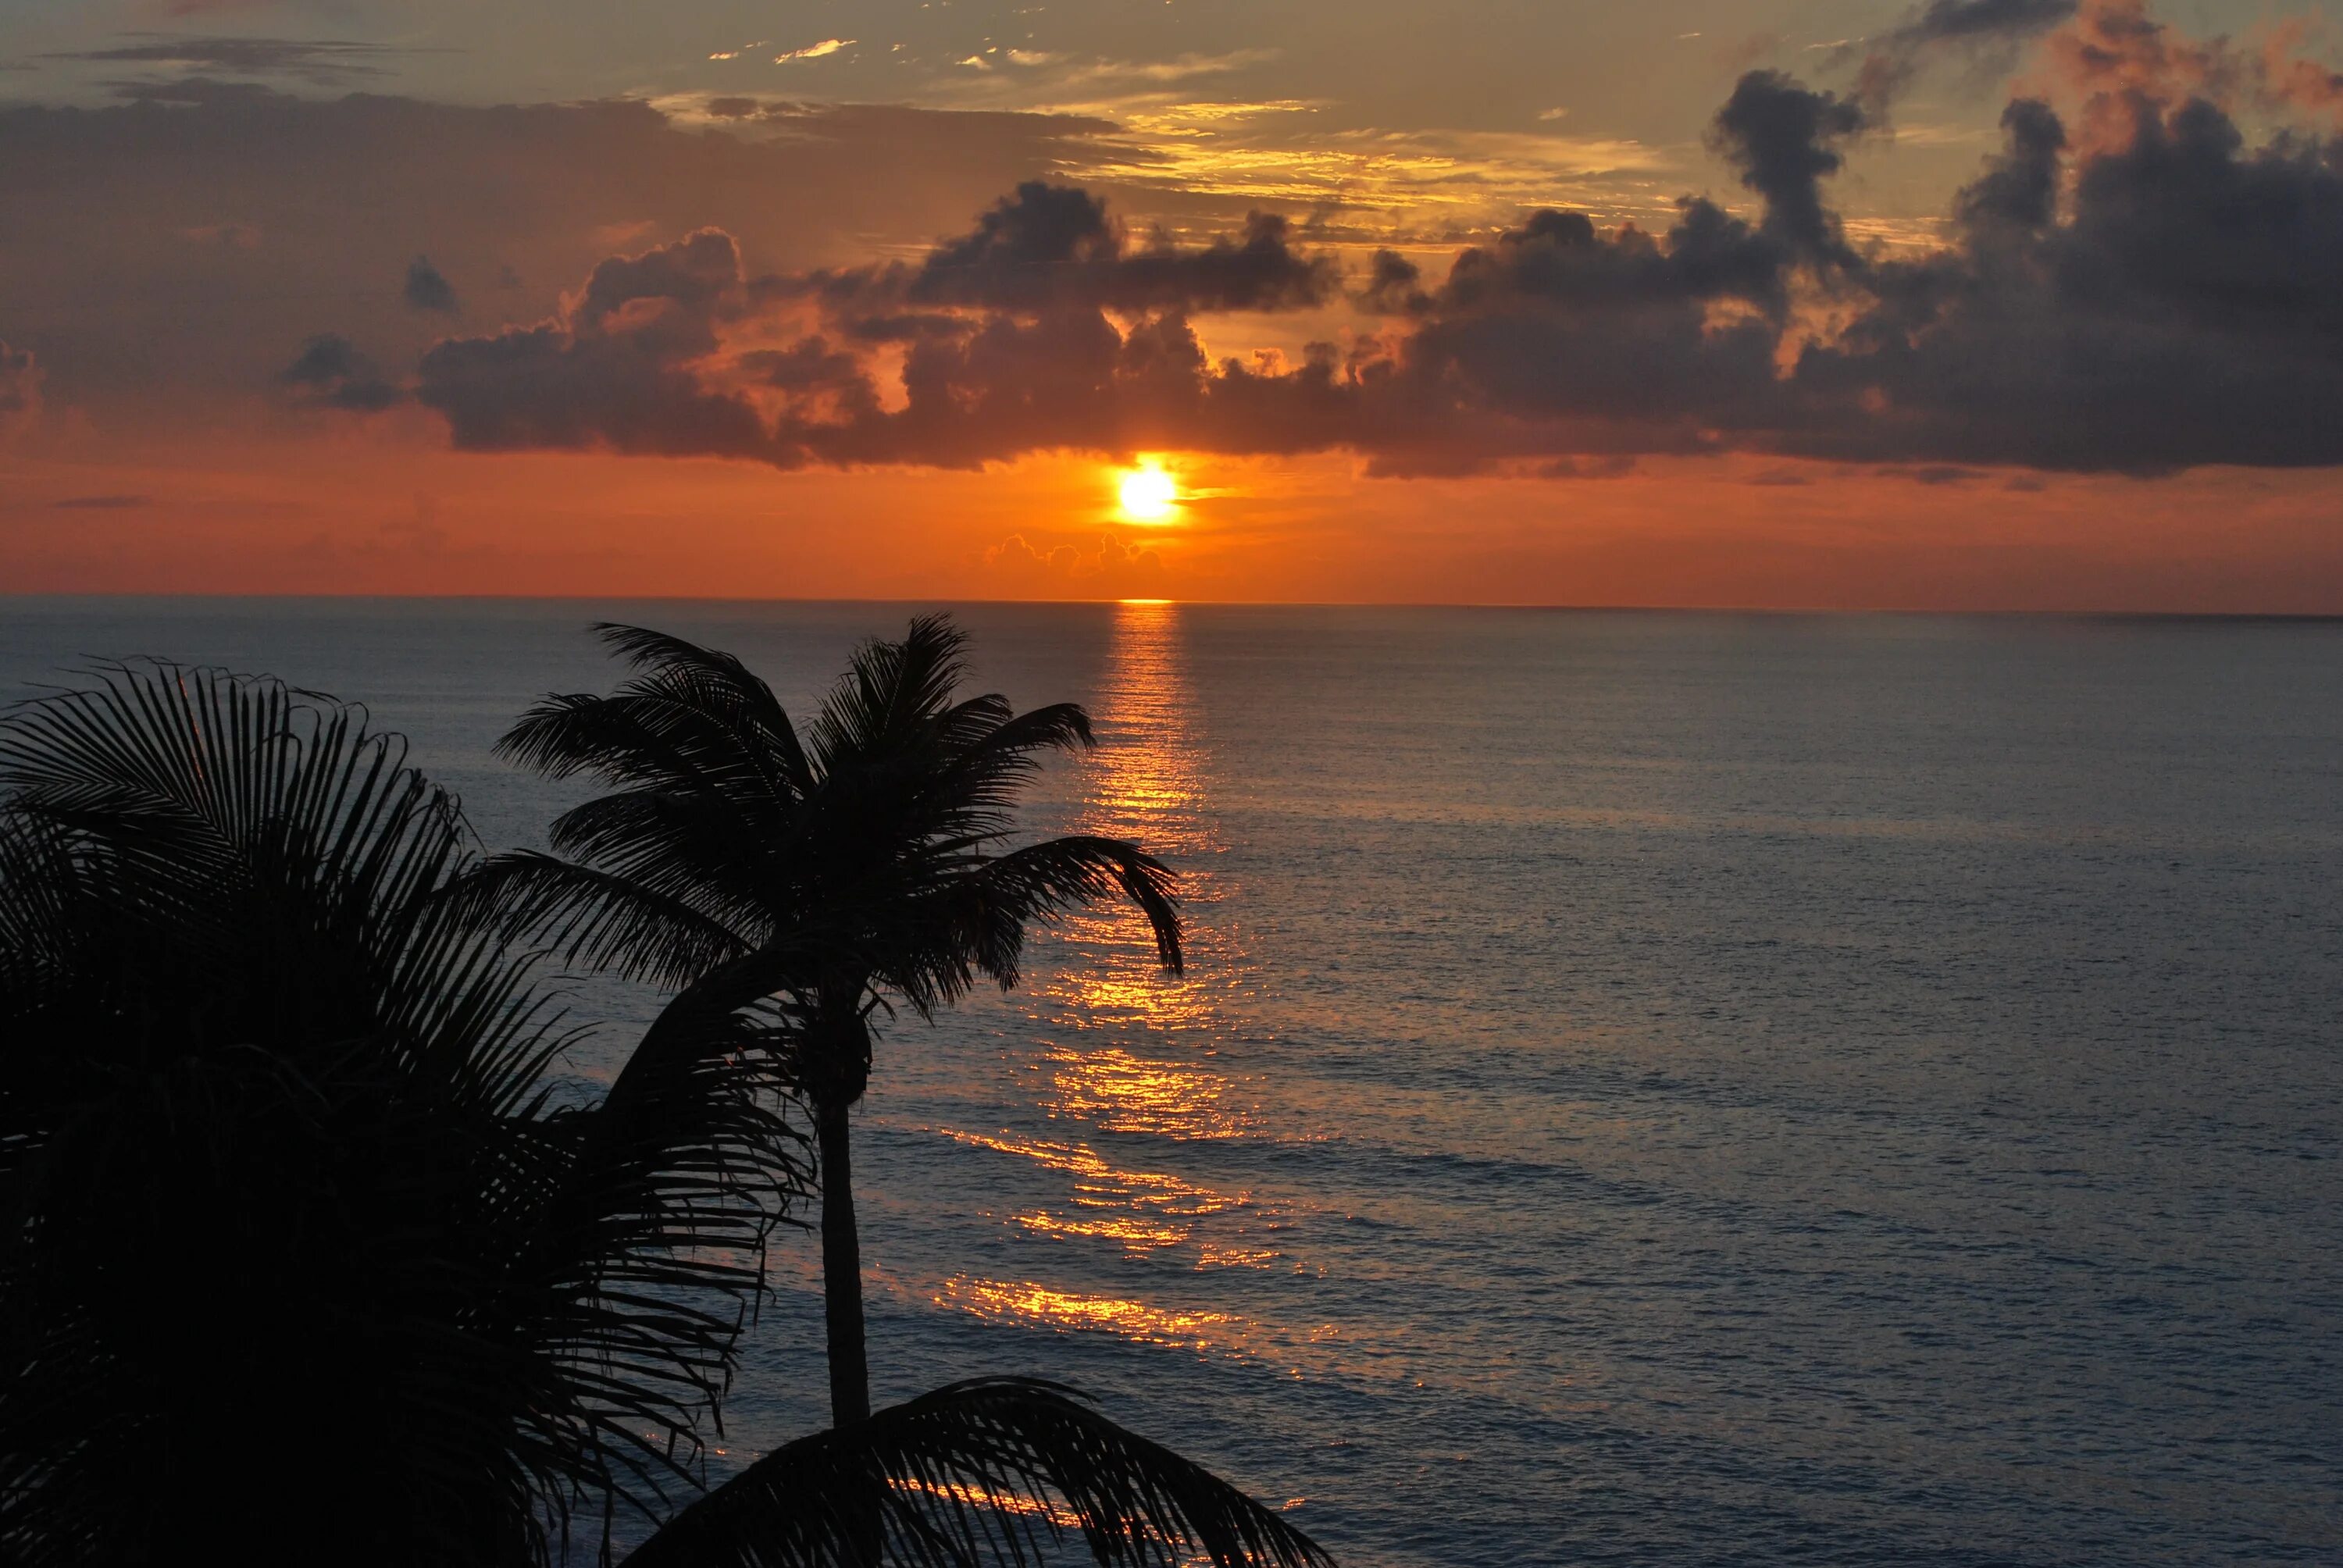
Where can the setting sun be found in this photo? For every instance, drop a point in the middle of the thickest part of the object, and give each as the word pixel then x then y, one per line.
pixel 1148 495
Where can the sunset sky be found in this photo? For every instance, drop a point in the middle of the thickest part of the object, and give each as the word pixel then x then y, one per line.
pixel 1963 303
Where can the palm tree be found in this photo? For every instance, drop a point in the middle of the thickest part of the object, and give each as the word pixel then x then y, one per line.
pixel 863 864
pixel 309 1251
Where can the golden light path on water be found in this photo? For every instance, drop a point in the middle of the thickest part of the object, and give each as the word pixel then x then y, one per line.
pixel 1127 1048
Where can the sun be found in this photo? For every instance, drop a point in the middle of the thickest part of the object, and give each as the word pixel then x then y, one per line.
pixel 1148 495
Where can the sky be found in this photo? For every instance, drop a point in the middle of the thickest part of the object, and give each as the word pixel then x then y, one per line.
pixel 2031 305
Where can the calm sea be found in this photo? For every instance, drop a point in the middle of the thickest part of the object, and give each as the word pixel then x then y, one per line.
pixel 1652 1089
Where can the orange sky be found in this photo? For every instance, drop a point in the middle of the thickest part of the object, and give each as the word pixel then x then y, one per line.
pixel 379 517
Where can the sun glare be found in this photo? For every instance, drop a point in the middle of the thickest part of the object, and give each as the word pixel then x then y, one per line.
pixel 1148 495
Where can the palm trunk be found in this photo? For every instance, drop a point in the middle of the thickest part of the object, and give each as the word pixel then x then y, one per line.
pixel 841 1270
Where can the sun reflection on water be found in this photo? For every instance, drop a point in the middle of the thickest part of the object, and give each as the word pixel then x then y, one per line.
pixel 1126 1051
pixel 1004 1299
pixel 1117 1091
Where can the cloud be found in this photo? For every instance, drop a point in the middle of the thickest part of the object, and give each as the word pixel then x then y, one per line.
pixel 325 62
pixel 810 52
pixel 2146 273
pixel 1110 567
pixel 615 370
pixel 2187 310
pixel 1102 73
pixel 1009 349
pixel 1052 246
pixel 20 389
pixel 102 503
pixel 141 326
pixel 427 288
pixel 331 372
pixel 1979 32
pixel 2182 305
pixel 1783 139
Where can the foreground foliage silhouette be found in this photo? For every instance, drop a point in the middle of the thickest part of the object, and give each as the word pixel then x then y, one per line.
pixel 862 864
pixel 310 1255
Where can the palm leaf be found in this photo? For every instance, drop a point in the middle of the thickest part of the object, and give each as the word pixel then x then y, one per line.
pixel 978 1472
pixel 1037 883
pixel 597 917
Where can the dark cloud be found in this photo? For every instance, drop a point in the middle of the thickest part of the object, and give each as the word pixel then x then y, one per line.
pixel 2188 310
pixel 1783 139
pixel 615 370
pixel 20 388
pixel 1052 246
pixel 325 62
pixel 330 371
pixel 1394 287
pixel 427 288
pixel 2018 191
pixel 2186 307
pixel 1979 33
pixel 1007 344
pixel 1968 21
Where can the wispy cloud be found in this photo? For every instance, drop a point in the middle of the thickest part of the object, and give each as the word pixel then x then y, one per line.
pixel 327 62
pixel 815 51
pixel 1276 152
pixel 1181 68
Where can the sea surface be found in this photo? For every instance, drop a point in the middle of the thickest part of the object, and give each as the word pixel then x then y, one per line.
pixel 1650 1089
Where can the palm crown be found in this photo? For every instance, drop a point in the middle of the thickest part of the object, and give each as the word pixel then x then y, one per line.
pixel 865 861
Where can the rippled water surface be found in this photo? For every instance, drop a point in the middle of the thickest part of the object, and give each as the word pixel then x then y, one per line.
pixel 1649 1089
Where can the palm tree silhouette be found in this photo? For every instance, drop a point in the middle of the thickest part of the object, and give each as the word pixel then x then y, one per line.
pixel 309 1247
pixel 863 864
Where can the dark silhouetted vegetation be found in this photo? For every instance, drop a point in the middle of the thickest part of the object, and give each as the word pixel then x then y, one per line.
pixel 312 1253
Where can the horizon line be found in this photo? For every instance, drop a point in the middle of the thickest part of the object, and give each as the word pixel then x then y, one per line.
pixel 1551 606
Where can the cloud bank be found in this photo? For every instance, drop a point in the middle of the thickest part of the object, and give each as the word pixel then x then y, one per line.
pixel 2145 274
pixel 2140 290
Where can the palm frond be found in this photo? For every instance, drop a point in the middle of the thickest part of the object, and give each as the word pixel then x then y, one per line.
pixel 716 682
pixel 597 917
pixel 890 692
pixel 986 1471
pixel 1037 883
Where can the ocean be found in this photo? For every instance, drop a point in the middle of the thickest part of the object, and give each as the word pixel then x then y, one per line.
pixel 1654 1089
